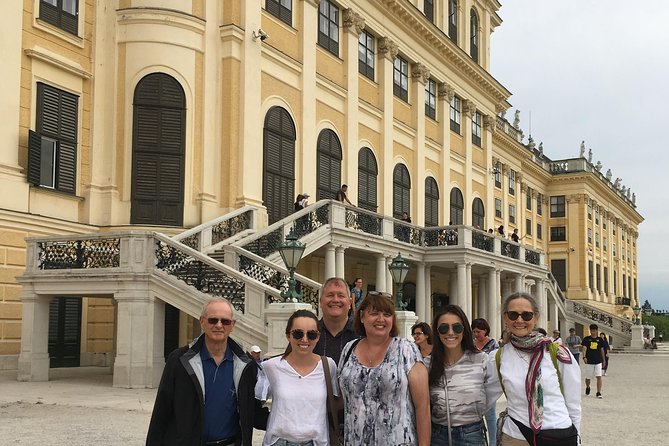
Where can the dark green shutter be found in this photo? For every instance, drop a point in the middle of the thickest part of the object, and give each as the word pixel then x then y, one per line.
pixel 34 157
pixel 278 164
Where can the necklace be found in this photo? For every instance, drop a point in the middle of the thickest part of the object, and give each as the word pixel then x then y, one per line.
pixel 522 357
pixel 373 359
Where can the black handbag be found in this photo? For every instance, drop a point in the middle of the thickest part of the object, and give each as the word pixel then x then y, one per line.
pixel 549 437
pixel 335 404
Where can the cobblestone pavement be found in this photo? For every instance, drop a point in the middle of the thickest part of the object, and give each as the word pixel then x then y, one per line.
pixel 79 407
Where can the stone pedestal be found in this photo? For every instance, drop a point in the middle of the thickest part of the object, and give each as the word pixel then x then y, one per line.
pixel 637 337
pixel 276 317
pixel 405 320
pixel 651 330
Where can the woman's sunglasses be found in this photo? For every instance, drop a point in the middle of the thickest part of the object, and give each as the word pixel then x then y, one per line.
pixel 457 328
pixel 298 334
pixel 526 315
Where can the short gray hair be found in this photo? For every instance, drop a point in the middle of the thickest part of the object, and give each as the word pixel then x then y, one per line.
pixel 333 280
pixel 215 300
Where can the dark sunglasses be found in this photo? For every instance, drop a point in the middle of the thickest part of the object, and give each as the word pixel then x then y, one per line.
pixel 526 315
pixel 215 320
pixel 418 333
pixel 380 293
pixel 298 334
pixel 457 328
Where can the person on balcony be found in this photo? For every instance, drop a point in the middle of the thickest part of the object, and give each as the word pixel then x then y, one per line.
pixel 301 201
pixel 500 231
pixel 341 195
pixel 297 386
pixel 514 236
pixel 383 380
pixel 216 366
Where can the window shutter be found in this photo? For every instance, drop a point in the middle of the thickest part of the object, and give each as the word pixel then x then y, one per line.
pixel 66 166
pixel 34 157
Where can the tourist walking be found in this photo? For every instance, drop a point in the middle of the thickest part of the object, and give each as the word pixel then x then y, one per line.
pixel 607 349
pixel 383 381
pixel 422 336
pixel 486 344
pixel 594 357
pixel 541 380
pixel 463 382
pixel 573 342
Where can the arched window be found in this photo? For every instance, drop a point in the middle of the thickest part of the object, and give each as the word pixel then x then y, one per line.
pixel 401 191
pixel 158 147
pixel 478 214
pixel 457 207
pixel 431 202
pixel 328 165
pixel 453 20
pixel 278 191
pixel 474 35
pixel 367 175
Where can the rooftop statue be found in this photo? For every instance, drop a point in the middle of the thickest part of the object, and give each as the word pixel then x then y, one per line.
pixel 608 174
pixel 582 153
pixel 629 194
pixel 516 120
pixel 590 156
pixel 634 199
pixel 541 147
pixel 616 184
pixel 598 167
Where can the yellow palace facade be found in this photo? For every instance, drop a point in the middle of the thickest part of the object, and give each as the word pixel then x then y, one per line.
pixel 142 116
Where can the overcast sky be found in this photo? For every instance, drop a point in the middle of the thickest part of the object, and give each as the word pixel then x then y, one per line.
pixel 598 71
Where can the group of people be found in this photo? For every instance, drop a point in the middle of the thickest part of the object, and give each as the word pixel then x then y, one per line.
pixel 436 390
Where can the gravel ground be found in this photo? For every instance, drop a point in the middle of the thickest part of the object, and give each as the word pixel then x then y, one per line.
pixel 79 407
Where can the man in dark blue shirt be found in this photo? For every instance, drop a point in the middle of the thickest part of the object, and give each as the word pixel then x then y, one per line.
pixel 207 392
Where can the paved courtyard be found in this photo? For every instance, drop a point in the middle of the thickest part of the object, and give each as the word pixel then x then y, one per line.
pixel 79 407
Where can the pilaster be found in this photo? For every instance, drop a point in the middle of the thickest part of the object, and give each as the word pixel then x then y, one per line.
pixel 387 52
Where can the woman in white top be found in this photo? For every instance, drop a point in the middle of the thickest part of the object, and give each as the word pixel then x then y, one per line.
pixel 463 382
pixel 298 388
pixel 543 389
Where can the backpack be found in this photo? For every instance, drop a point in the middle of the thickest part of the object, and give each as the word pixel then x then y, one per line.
pixel 553 348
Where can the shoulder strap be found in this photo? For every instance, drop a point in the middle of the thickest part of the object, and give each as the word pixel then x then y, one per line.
pixel 348 353
pixel 553 348
pixel 331 411
pixel 498 362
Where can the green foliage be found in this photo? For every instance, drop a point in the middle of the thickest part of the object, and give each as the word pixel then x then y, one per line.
pixel 661 324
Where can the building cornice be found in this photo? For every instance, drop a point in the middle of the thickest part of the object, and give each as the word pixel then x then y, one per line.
pixel 57 61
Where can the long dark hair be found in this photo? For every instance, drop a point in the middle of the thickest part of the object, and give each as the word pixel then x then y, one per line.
pixel 439 351
pixel 425 328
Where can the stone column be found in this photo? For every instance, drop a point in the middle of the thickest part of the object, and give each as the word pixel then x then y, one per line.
pixel 446 93
pixel 542 300
pixel 481 309
pixel 390 285
pixel 387 51
pixel 34 356
pixel 420 291
pixel 462 286
pixel 405 320
pixel 339 261
pixel 493 313
pixel 469 299
pixel 140 334
pixel 518 285
pixel 381 273
pixel 305 147
pixel 453 287
pixel 353 24
pixel 553 316
pixel 428 294
pixel 330 269
pixel 420 75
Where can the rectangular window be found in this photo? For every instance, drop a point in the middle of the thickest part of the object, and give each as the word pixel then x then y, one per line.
pixel 539 232
pixel 614 228
pixel 604 243
pixel 281 9
pixel 455 114
pixel 591 281
pixel 431 99
pixel 598 277
pixel 52 147
pixel 512 182
pixel 558 233
pixel 614 250
pixel 476 129
pixel 606 280
pixel 559 270
pixel 328 26
pixel 589 236
pixel 498 208
pixel 596 240
pixel 604 219
pixel 512 213
pixel 624 286
pixel 589 210
pixel 401 78
pixel 540 198
pixel 498 174
pixel 596 215
pixel 61 13
pixel 623 253
pixel 528 226
pixel 528 199
pixel 615 282
pixel 428 9
pixel 453 20
pixel 557 206
pixel 366 55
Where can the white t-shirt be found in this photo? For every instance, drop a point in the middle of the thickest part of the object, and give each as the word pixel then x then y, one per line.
pixel 299 403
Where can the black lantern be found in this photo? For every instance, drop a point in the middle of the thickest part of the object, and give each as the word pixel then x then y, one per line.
pixel 399 270
pixel 291 250
pixel 636 309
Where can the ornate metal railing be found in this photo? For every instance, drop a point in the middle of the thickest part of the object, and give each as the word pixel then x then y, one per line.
pixel 271 276
pixel 510 250
pixel 199 274
pixel 601 317
pixel 266 244
pixel 221 228
pixel 77 254
pixel 532 257
pixel 483 240
pixel 308 223
pixel 407 233
pixel 623 301
pixel 441 236
pixel 365 221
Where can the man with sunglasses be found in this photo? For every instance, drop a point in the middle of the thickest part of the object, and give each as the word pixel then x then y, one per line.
pixel 335 326
pixel 216 366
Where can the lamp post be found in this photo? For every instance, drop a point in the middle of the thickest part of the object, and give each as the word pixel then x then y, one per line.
pixel 399 269
pixel 636 309
pixel 648 311
pixel 291 250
